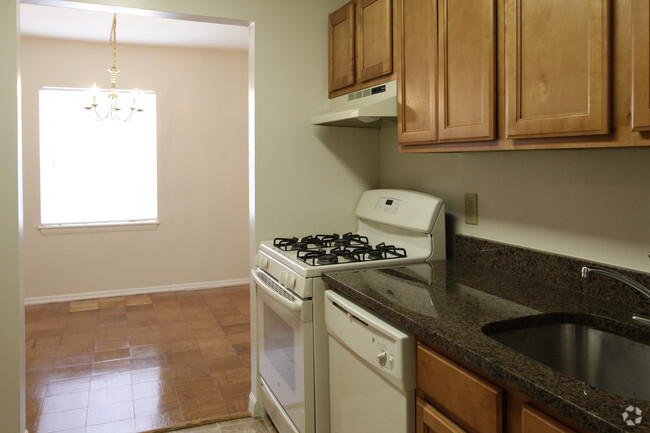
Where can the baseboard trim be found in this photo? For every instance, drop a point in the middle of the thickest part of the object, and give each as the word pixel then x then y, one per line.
pixel 136 291
pixel 255 406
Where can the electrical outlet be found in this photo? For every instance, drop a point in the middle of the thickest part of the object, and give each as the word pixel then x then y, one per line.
pixel 471 209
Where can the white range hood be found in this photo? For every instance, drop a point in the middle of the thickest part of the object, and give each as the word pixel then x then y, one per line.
pixel 362 109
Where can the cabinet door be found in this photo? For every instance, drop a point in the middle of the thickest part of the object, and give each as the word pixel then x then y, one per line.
pixel 535 421
pixel 374 39
pixel 429 420
pixel 466 70
pixel 556 67
pixel 640 65
pixel 449 385
pixel 416 90
pixel 341 47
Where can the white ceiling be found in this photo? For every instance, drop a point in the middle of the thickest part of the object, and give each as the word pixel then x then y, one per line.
pixel 95 26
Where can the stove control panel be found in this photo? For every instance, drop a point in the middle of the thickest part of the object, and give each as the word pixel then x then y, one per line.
pixel 387 205
pixel 409 210
pixel 303 287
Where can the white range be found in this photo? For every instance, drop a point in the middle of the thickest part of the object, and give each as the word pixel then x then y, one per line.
pixel 395 227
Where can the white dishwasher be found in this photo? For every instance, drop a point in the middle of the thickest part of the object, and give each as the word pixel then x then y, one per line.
pixel 371 370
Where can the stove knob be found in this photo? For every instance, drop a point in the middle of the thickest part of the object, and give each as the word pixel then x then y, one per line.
pixel 381 358
pixel 283 277
pixel 261 261
pixel 287 280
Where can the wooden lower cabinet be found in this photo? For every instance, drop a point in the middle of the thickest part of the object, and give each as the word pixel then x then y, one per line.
pixel 468 399
pixel 429 420
pixel 452 398
pixel 536 421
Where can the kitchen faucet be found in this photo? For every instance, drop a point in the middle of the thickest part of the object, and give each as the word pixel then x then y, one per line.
pixel 623 279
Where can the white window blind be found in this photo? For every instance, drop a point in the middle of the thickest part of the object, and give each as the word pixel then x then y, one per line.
pixel 96 171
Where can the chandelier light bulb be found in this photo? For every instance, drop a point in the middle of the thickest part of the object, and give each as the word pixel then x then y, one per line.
pixel 93 93
pixel 135 96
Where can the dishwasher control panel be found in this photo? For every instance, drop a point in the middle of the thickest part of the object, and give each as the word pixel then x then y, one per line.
pixel 381 345
pixel 385 356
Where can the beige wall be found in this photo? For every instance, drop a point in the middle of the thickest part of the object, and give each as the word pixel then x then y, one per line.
pixel 591 204
pixel 202 170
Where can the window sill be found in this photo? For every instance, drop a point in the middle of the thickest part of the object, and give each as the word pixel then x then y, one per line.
pixel 116 226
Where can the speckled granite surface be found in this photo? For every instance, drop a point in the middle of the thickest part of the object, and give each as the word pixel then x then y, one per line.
pixel 554 269
pixel 448 303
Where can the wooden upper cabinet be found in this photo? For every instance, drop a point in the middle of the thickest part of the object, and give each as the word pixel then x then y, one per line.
pixel 466 70
pixel 446 75
pixel 640 65
pixel 374 39
pixel 417 73
pixel 360 46
pixel 341 47
pixel 556 67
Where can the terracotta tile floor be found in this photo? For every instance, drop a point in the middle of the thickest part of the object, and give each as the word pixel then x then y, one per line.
pixel 137 363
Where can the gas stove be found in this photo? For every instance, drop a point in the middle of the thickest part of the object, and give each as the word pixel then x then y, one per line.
pixel 393 227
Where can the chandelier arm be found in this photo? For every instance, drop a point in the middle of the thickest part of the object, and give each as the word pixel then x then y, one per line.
pixel 99 117
pixel 127 117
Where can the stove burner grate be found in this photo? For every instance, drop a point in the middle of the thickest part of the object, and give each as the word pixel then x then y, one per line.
pixel 312 256
pixel 327 259
pixel 332 249
pixel 317 241
pixel 284 243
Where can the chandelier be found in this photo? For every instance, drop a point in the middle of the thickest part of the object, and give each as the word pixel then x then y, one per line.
pixel 113 109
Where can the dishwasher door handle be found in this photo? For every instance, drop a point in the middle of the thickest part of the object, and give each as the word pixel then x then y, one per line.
pixel 347 313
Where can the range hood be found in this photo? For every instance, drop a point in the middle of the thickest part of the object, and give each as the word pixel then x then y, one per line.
pixel 362 109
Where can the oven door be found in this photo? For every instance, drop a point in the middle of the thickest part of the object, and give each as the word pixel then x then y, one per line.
pixel 285 344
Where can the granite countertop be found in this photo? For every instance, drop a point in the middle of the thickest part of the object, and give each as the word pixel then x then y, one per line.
pixel 448 303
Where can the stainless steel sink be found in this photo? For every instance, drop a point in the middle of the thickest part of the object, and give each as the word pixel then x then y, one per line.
pixel 602 359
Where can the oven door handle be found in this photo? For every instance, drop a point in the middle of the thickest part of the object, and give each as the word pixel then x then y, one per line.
pixel 291 305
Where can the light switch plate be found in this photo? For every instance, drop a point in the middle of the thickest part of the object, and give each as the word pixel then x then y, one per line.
pixel 471 209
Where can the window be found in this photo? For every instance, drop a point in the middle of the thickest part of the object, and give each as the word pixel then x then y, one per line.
pixel 95 172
